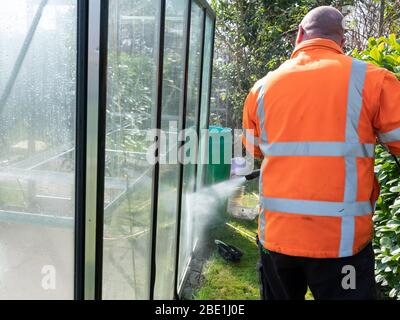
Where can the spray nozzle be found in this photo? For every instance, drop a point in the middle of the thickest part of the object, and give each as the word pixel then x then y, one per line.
pixel 240 168
pixel 253 175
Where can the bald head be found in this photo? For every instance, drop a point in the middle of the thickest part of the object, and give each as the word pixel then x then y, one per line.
pixel 322 22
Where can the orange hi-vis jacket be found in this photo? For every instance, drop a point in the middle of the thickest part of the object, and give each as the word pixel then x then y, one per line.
pixel 314 121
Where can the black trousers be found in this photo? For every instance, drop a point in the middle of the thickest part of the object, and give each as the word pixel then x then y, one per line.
pixel 284 277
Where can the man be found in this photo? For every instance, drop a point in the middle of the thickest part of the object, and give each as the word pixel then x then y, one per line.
pixel 314 120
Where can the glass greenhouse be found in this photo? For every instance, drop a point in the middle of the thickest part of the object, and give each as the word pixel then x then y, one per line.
pixel 83 214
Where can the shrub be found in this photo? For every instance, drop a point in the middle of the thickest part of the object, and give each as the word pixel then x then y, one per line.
pixel 385 52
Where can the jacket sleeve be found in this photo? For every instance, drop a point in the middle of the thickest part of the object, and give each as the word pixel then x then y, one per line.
pixel 250 137
pixel 387 119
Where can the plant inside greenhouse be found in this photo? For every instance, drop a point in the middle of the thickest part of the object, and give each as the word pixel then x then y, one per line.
pixel 200 150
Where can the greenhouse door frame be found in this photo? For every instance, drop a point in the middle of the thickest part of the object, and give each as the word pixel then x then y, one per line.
pixel 91 135
pixel 90 146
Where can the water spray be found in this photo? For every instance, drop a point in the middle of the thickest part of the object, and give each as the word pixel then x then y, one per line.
pixel 240 173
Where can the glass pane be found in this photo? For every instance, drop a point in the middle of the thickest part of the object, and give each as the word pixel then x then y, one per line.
pixel 169 169
pixel 187 240
pixel 132 85
pixel 205 99
pixel 37 133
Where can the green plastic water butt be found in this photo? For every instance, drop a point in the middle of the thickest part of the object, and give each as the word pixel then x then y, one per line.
pixel 219 155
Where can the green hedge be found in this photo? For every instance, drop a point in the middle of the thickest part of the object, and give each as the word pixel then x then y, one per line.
pixel 385 52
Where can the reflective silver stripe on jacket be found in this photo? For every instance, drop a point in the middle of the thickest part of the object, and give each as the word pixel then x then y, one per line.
pixel 390 136
pixel 250 137
pixel 261 237
pixel 264 140
pixel 354 106
pixel 328 149
pixel 317 208
pixel 261 112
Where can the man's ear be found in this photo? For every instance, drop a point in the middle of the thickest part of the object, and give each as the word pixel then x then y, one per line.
pixel 300 35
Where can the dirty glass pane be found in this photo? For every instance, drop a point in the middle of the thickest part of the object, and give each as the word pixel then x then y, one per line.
pixel 132 60
pixel 169 169
pixel 37 134
pixel 187 239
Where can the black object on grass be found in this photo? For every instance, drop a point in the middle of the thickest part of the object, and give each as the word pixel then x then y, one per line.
pixel 228 252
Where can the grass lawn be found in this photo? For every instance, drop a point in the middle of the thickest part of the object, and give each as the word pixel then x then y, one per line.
pixel 233 281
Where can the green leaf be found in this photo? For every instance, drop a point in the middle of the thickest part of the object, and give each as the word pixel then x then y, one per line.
pixel 395 189
pixel 385 242
pixel 379 278
pixel 375 54
pixel 393 223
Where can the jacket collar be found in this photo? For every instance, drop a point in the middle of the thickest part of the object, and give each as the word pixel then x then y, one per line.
pixel 317 43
